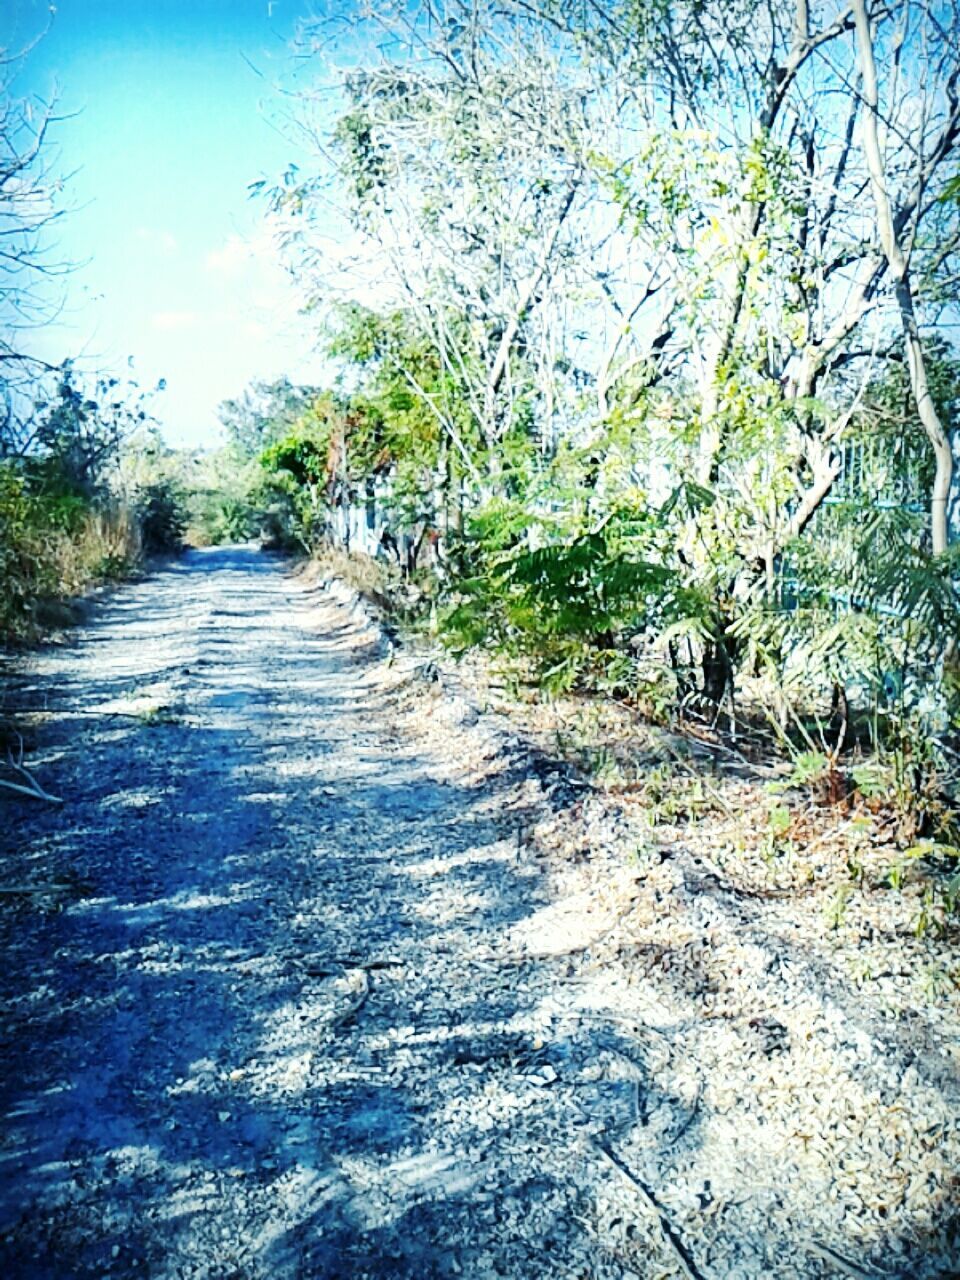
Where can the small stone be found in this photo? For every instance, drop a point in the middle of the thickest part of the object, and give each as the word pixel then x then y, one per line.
pixel 546 1075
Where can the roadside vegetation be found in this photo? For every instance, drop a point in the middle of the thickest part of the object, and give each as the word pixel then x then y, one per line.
pixel 85 489
pixel 83 500
pixel 654 405
pixel 658 400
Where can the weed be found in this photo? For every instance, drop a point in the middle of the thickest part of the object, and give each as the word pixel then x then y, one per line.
pixel 835 910
pixel 809 767
pixel 779 821
pixel 606 768
pixel 935 982
pixel 153 717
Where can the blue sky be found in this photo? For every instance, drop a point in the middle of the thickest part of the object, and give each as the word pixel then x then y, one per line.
pixel 171 124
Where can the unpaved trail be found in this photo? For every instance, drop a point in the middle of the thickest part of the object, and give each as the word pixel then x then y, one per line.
pixel 330 984
pixel 251 1039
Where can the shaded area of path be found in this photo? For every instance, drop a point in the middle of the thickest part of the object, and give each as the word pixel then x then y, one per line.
pixel 254 1036
pixel 339 979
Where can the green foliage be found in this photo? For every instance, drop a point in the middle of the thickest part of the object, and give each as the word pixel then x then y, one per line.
pixel 21 567
pixel 299 470
pixel 779 821
pixel 231 520
pixel 85 500
pixel 302 457
pixel 577 605
pixel 264 413
pixel 161 512
pixel 809 767
pixel 79 430
pixel 52 546
pixel 409 418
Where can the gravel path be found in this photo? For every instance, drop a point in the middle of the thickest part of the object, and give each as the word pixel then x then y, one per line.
pixel 254 1035
pixel 327 983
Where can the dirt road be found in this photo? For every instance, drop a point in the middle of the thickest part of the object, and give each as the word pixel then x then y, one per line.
pixel 249 1037
pixel 292 1003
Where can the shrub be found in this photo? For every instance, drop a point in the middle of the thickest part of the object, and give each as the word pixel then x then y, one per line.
pixel 161 513
pixel 52 546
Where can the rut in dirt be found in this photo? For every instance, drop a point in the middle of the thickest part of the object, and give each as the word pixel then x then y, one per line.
pixel 250 1033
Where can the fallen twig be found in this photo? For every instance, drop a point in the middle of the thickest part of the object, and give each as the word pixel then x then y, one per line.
pixel 667 1231
pixel 840 1261
pixel 32 787
pixel 15 890
pixel 335 967
pixel 694 1109
pixel 35 793
pixel 331 970
pixel 723 882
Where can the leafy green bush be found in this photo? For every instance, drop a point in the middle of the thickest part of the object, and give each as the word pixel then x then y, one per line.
pixel 579 607
pixel 232 520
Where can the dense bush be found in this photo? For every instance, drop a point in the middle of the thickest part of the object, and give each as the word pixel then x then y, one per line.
pixel 161 513
pixel 82 499
pixel 53 546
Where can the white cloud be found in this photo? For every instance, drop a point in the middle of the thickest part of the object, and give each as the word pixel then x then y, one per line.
pixel 157 240
pixel 231 257
pixel 174 321
pixel 238 253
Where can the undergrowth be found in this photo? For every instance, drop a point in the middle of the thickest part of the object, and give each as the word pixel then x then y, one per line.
pixel 403 604
pixel 779 812
pixel 53 548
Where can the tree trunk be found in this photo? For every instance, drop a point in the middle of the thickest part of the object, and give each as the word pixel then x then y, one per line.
pixel 943 476
pixel 898 264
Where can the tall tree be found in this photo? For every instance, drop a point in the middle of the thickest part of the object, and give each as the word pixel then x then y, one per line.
pixel 262 414
pixel 644 236
pixel 919 148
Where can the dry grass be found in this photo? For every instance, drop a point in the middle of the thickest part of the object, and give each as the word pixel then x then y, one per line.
pixel 397 602
pixel 48 566
pixel 372 578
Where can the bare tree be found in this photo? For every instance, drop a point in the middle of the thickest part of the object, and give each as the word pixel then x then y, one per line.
pixel 30 271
